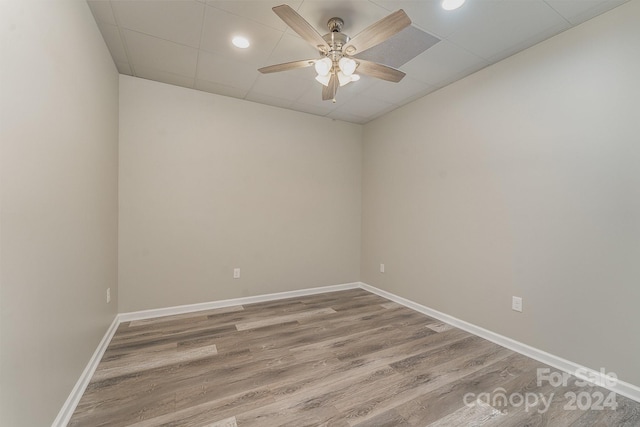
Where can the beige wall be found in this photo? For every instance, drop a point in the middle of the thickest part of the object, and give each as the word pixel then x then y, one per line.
pixel 522 179
pixel 58 242
pixel 519 180
pixel 209 183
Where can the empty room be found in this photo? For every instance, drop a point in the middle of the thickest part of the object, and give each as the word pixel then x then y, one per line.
pixel 234 213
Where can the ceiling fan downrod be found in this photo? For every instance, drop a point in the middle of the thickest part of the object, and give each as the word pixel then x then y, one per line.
pixel 336 39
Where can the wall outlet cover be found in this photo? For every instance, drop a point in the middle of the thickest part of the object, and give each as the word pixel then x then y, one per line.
pixel 516 304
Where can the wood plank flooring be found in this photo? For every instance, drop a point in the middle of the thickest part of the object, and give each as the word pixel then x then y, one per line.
pixel 348 358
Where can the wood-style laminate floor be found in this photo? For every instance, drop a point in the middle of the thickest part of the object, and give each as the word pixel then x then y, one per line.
pixel 348 358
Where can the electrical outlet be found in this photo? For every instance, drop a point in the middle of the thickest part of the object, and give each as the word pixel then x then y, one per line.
pixel 108 295
pixel 516 304
pixel 236 273
pixel 381 268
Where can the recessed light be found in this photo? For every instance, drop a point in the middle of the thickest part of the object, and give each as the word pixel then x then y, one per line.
pixel 240 42
pixel 452 4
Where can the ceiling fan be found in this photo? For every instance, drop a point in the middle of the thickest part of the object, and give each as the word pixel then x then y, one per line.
pixel 338 51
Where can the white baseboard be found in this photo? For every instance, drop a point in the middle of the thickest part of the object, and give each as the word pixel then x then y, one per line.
pixel 81 385
pixel 180 309
pixel 623 388
pixel 620 387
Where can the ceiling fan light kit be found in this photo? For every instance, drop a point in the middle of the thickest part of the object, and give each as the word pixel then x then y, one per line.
pixel 347 65
pixel 452 4
pixel 339 60
pixel 343 79
pixel 323 66
pixel 323 79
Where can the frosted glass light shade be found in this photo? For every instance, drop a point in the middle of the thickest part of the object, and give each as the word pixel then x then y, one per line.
pixel 347 65
pixel 323 66
pixel 323 79
pixel 343 79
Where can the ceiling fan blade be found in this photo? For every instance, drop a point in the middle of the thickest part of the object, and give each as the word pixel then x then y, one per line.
pixel 300 26
pixel 329 92
pixel 378 32
pixel 379 71
pixel 287 66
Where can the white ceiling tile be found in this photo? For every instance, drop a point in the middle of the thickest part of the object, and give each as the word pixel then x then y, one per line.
pixel 157 45
pixel 401 48
pixel 291 48
pixel 220 89
pixel 501 24
pixel 526 43
pixel 256 10
pixel 578 11
pixel 313 95
pixel 164 77
pixel 154 53
pixel 311 101
pixel 458 76
pixel 267 99
pixel 102 11
pixel 362 106
pixel 430 16
pixel 228 72
pixel 570 8
pixel 318 110
pixel 441 62
pixel 281 85
pixel 354 89
pixel 356 14
pixel 313 98
pixel 346 117
pixel 220 27
pixel 397 93
pixel 111 36
pixel 176 21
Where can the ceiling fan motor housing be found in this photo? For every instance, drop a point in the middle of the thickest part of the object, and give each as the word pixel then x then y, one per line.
pixel 336 39
pixel 335 24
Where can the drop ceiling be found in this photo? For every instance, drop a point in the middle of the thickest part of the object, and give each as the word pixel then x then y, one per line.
pixel 188 43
